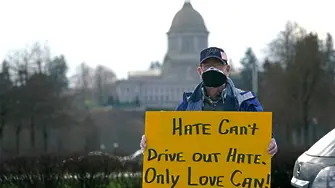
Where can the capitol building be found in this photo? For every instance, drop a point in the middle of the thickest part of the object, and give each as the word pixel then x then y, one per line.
pixel 163 87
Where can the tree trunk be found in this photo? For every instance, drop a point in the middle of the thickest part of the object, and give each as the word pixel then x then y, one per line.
pixel 45 139
pixel 17 134
pixel 305 123
pixel 289 133
pixel 2 127
pixel 32 133
pixel 59 146
pixel 1 136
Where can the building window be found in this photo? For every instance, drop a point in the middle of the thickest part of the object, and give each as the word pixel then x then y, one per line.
pixel 202 44
pixel 173 43
pixel 187 44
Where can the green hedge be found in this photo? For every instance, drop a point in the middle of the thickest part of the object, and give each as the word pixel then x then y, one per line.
pixel 101 170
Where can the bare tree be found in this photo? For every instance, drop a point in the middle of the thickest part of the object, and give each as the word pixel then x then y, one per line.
pixel 37 93
pixel 6 86
pixel 282 49
pixel 282 53
pixel 104 80
pixel 328 56
pixel 293 84
pixel 82 82
pixel 304 76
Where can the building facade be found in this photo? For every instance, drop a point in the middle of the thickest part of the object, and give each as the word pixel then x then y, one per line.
pixel 163 87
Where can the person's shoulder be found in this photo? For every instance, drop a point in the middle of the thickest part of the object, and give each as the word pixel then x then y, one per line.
pixel 243 95
pixel 184 102
pixel 248 101
pixel 187 95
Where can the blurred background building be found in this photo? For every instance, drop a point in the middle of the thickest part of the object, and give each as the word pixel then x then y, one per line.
pixel 162 86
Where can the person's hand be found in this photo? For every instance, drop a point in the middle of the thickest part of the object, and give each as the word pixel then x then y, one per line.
pixel 143 143
pixel 272 149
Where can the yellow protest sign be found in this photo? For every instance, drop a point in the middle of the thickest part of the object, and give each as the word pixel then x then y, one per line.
pixel 207 149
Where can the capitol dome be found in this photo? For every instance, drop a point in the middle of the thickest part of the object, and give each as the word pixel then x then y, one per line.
pixel 187 20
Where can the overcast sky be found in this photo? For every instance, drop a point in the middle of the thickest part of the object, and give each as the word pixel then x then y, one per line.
pixel 127 35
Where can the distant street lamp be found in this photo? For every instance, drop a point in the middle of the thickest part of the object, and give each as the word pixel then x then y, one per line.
pixel 115 145
pixel 254 78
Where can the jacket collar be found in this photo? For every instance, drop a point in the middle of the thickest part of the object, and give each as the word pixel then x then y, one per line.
pixel 197 93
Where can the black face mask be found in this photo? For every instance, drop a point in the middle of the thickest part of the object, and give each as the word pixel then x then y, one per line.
pixel 213 77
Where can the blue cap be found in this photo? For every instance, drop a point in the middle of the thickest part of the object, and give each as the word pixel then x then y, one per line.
pixel 213 52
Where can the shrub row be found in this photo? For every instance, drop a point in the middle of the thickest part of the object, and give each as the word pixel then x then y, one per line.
pixel 101 170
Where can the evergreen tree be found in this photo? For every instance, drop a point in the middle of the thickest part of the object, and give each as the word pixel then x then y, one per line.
pixel 248 62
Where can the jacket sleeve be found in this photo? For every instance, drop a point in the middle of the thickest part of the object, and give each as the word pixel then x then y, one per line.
pixel 253 105
pixel 182 106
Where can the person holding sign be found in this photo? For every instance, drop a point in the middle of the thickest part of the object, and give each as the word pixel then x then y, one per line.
pixel 217 91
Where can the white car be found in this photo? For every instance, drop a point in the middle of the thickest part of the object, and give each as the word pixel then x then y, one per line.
pixel 315 168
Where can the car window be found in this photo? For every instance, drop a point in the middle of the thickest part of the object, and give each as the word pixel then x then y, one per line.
pixel 325 147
